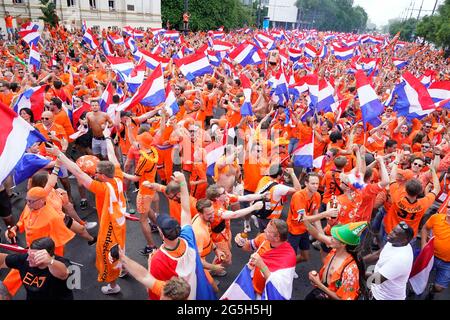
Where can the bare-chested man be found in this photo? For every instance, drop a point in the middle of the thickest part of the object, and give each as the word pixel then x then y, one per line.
pixel 97 121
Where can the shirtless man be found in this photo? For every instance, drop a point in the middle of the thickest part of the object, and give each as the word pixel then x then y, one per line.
pixel 227 169
pixel 97 120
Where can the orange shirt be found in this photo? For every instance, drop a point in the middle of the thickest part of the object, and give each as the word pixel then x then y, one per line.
pixel 146 170
pixel 345 280
pixel 331 182
pixel 369 195
pixel 301 204
pixel 321 147
pixel 202 232
pixel 63 120
pixel 9 21
pixel 56 130
pixel 441 231
pixel 349 207
pixel 403 210
pixel 253 172
pixel 6 98
pixel 198 173
pixel 175 208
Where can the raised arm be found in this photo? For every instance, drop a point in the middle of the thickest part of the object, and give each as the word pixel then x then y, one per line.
pixel 137 271
pixel 184 197
pixel 110 147
pixel 242 212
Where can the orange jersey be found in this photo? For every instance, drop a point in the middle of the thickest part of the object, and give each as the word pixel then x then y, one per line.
pixel 301 204
pixel 403 210
pixel 146 169
pixel 441 232
pixel 63 120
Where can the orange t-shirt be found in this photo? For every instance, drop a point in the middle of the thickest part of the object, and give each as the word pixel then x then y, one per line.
pixel 369 195
pixel 441 231
pixel 301 204
pixel 403 210
pixel 175 208
pixel 9 21
pixel 331 181
pixel 253 172
pixel 63 120
pixel 146 170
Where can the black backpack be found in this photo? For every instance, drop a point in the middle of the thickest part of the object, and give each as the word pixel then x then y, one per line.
pixel 263 213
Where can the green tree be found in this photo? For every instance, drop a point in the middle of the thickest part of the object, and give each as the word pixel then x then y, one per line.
pixel 207 14
pixel 436 29
pixel 49 16
pixel 406 28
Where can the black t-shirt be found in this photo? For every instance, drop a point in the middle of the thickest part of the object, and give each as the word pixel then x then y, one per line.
pixel 40 284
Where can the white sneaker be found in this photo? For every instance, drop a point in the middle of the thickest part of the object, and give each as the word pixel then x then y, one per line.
pixel 109 290
pixel 247 226
pixel 295 275
pixel 255 221
pixel 123 273
pixel 90 225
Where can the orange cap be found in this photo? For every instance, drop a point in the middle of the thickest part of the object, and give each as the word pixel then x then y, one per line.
pixel 36 193
pixel 145 140
pixel 406 174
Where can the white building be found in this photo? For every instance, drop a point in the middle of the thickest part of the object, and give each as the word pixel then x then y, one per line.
pixel 97 13
pixel 282 13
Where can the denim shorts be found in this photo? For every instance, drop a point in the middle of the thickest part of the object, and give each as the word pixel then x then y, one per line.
pixel 442 272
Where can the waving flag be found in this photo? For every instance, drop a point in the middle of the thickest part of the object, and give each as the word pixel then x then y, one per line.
pixel 128 31
pixel 326 101
pixel 151 60
pixel 214 151
pixel 151 93
pixel 30 36
pixel 440 91
pixel 90 39
pixel 247 53
pixel 172 35
pixel 214 58
pixel 371 107
pixel 323 52
pixel 33 99
pixel 294 54
pixel 138 34
pixel 195 65
pixel 16 136
pixel 281 89
pixel 116 39
pixel 171 104
pixel 216 34
pixel 136 77
pixel 120 65
pixel 107 50
pixel 420 272
pixel 130 43
pixel 343 53
pixel 35 58
pixel 106 97
pixel 265 41
pixel 297 89
pixel 303 155
pixel 281 263
pixel 246 108
pixel 157 31
pixel 399 63
pixel 413 100
pixel 218 45
pixel 188 266
pixel 310 51
pixel 28 165
pixel 85 107
pixel 29 26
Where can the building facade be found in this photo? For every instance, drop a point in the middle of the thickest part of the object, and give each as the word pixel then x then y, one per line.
pixel 96 13
pixel 282 13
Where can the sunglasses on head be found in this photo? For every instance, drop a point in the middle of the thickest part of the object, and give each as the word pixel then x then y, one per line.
pixel 403 225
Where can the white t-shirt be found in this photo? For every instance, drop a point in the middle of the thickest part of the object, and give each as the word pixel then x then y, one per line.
pixel 395 264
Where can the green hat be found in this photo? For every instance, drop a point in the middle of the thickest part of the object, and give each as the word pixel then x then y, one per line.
pixel 349 233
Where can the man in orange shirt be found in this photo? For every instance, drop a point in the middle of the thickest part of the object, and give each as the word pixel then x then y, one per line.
pixel 439 225
pixel 9 25
pixel 145 171
pixel 61 116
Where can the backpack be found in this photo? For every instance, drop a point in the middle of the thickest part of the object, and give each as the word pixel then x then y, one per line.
pixel 263 213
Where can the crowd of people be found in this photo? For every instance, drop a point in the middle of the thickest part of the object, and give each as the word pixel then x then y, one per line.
pixel 378 194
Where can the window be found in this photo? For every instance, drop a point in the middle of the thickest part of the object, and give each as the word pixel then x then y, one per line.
pixel 111 5
pixel 130 7
pixel 17 1
pixel 92 4
pixel 70 3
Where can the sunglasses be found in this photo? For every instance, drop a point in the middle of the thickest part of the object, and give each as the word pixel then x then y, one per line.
pixel 428 127
pixel 32 201
pixel 418 164
pixel 46 118
pixel 426 147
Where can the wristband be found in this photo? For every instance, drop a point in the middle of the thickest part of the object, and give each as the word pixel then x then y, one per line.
pixel 263 269
pixel 182 184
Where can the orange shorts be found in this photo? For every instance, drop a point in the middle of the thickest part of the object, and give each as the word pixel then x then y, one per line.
pixel 143 203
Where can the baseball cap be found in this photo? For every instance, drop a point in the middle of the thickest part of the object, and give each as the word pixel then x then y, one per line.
pixel 349 233
pixel 37 193
pixel 406 174
pixel 145 140
pixel 169 226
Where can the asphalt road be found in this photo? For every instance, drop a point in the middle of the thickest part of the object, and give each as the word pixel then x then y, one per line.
pixel 78 250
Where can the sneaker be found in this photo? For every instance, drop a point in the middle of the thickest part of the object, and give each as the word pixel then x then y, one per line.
pixel 90 225
pixel 83 204
pixel 147 250
pixel 247 226
pixel 94 241
pixel 316 245
pixel 109 290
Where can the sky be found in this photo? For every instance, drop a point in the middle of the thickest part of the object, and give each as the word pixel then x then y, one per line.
pixel 381 11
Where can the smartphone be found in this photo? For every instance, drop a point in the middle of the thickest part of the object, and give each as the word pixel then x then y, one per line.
pixel 114 251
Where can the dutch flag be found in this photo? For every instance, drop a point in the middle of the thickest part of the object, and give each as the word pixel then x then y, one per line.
pixel 246 108
pixel 30 36
pixel 35 57
pixel 123 66
pixel 371 106
pixel 343 53
pixel 195 65
pixel 90 39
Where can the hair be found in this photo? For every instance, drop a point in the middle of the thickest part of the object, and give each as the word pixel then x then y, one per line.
pixel 210 85
pixel 335 136
pixel 44 243
pixel 282 228
pixel 340 162
pixel 29 112
pixel 95 101
pixel 177 289
pixel 57 84
pixel 115 98
pixel 368 174
pixel 39 179
pixel 413 188
pixel 14 86
pixel 414 158
pixel 237 81
pixel 172 187
pixel 334 151
pixel 203 204
pixel 107 168
pixel 275 171
pixel 328 123
pixel 213 192
pixel 310 175
pixel 418 138
pixel 172 233
pixel 390 143
pixel 369 158
pixel 57 101
pixel 355 252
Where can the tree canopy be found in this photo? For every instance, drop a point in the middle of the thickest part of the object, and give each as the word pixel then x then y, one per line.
pixel 335 15
pixel 48 8
pixel 207 14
